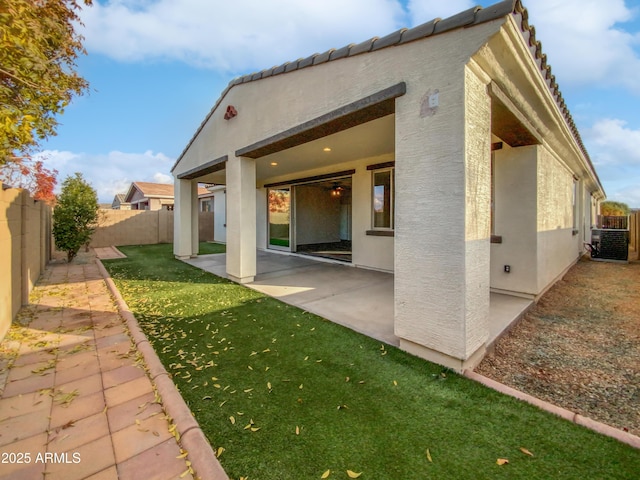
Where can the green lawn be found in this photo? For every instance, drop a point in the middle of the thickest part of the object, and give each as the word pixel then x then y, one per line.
pixel 289 395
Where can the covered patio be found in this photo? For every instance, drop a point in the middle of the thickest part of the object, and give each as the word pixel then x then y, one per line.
pixel 357 298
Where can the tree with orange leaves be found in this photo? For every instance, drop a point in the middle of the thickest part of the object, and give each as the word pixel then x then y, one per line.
pixel 38 50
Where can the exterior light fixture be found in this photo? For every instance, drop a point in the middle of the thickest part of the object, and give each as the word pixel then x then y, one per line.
pixel 326 149
pixel 273 164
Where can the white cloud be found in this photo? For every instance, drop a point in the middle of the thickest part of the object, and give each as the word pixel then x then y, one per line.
pixel 162 178
pixel 232 36
pixel 110 173
pixel 422 11
pixel 613 143
pixel 586 43
pixel 614 149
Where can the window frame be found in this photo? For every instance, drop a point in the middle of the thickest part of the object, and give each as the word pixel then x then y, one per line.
pixel 391 227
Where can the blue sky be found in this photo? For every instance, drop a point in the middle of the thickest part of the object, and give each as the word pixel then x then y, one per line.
pixel 156 67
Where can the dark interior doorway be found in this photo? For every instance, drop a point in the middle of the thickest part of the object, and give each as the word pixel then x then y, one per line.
pixel 323 219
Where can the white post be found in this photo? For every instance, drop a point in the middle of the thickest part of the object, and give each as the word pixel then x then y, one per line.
pixel 183 219
pixel 241 219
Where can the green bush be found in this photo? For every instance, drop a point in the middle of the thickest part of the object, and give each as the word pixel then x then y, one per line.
pixel 75 215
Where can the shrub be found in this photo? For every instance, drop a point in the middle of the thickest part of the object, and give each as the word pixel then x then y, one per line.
pixel 75 215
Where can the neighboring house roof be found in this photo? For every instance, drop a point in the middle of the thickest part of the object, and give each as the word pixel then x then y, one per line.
pixel 473 16
pixel 119 198
pixel 154 190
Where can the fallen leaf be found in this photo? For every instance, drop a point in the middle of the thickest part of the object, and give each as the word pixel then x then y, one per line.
pixel 297 430
pixel 395 383
pixel 502 461
pixel 269 385
pixel 353 474
pixel 232 419
pixel 526 452
pixel 326 474
pixel 219 451
pixel 429 456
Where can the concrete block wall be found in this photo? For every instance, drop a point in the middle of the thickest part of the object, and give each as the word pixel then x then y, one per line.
pixel 143 227
pixel 25 249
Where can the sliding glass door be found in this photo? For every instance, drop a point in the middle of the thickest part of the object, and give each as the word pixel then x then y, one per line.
pixel 280 218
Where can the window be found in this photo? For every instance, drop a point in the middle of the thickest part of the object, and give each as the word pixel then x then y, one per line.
pixel 383 199
pixel 574 205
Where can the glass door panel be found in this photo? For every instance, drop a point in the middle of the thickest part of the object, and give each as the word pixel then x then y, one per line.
pixel 279 204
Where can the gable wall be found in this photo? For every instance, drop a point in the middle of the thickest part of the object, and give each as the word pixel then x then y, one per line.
pixel 274 104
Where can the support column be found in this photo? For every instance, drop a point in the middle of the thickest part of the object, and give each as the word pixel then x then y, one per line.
pixel 241 219
pixel 195 220
pixel 183 218
pixel 442 253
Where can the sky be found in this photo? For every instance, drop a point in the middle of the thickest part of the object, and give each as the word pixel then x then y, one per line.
pixel 156 67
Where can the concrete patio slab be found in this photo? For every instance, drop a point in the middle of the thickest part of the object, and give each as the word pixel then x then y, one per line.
pixel 357 298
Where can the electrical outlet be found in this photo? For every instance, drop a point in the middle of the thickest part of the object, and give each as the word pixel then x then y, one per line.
pixel 507 268
pixel 434 99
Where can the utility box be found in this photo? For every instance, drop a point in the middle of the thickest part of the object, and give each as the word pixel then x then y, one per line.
pixel 610 244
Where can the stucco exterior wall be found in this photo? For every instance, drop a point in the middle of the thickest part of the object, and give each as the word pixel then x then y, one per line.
pixel 515 220
pixel 558 247
pixel 327 87
pixel 477 212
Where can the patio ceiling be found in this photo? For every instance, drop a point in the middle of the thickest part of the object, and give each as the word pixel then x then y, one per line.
pixel 370 139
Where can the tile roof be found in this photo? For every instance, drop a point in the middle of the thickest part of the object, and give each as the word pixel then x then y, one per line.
pixel 473 16
pixel 149 189
pixel 154 189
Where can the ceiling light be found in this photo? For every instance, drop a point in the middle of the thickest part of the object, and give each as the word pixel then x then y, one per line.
pixel 326 149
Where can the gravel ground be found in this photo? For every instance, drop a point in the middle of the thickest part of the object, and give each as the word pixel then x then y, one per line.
pixel 579 347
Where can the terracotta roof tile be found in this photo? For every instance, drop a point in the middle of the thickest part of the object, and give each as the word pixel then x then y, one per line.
pixel 149 189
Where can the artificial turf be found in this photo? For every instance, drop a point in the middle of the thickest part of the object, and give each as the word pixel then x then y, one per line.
pixel 281 393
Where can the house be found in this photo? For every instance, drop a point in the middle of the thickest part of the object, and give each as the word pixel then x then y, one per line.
pixel 443 153
pixel 119 203
pixel 152 196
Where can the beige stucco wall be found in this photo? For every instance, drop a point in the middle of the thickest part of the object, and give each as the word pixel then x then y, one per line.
pixel 515 177
pixel 311 92
pixel 25 249
pixel 534 215
pixel 558 246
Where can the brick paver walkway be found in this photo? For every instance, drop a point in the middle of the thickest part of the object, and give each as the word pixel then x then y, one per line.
pixel 76 401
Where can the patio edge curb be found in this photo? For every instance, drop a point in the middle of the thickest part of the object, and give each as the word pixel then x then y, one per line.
pixel 191 436
pixel 599 427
